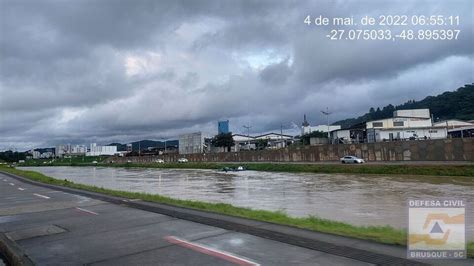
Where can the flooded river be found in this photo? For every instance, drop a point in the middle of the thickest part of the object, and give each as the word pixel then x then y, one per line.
pixel 357 199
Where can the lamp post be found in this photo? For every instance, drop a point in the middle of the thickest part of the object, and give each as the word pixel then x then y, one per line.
pixel 287 124
pixel 327 113
pixel 248 135
pixel 164 139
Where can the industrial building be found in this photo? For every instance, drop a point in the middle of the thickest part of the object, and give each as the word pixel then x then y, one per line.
pixel 306 128
pixel 68 150
pixel 408 124
pixel 273 140
pixel 462 132
pixel 42 153
pixel 96 150
pixel 191 143
pixel 223 127
pixel 453 123
pixel 405 125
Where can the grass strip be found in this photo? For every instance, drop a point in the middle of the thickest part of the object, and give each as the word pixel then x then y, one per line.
pixel 380 234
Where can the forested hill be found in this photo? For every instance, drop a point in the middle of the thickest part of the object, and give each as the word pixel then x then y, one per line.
pixel 458 104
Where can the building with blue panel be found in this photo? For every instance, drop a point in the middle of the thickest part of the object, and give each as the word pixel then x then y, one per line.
pixel 223 127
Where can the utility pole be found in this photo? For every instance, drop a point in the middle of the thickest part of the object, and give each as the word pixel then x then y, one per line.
pixel 248 134
pixel 281 131
pixel 139 150
pixel 327 113
pixel 164 152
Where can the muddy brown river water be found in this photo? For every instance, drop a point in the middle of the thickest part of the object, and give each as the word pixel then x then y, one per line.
pixel 356 199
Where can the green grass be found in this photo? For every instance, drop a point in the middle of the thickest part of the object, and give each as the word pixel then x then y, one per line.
pixel 381 234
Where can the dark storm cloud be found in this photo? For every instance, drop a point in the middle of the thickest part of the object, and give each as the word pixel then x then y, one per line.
pixel 276 73
pixel 81 71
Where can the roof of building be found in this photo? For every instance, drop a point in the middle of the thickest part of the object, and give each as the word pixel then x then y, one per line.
pixel 454 120
pixel 461 128
pixel 272 133
pixel 407 128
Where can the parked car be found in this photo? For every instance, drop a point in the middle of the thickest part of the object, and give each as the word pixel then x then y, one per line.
pixel 182 160
pixel 351 159
pixel 159 161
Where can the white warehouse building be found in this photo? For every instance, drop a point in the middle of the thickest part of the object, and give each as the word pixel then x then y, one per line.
pixel 405 124
pixel 96 150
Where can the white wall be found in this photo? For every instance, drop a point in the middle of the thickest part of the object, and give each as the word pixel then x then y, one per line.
pixel 407 123
pixel 191 143
pixel 404 134
pixel 101 150
pixel 420 113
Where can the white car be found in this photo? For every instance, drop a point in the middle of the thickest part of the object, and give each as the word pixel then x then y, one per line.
pixel 159 161
pixel 351 159
pixel 182 160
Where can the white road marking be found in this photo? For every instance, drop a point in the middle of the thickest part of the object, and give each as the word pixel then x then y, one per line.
pixel 11 184
pixel 84 210
pixel 20 188
pixel 41 196
pixel 5 180
pixel 210 251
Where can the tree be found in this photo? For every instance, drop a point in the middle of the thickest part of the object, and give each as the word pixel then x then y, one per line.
pixel 223 140
pixel 262 144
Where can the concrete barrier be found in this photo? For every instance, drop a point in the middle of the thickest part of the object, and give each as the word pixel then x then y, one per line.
pixel 417 150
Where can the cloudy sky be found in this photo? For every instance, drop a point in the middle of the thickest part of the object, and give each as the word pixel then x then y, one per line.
pixel 106 71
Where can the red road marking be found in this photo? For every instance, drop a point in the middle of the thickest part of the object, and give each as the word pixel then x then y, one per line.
pixel 210 251
pixel 87 211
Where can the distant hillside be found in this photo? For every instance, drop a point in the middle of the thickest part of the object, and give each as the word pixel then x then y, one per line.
pixel 458 104
pixel 144 144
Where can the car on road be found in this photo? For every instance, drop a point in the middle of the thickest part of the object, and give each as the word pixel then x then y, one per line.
pixel 159 161
pixel 182 160
pixel 352 159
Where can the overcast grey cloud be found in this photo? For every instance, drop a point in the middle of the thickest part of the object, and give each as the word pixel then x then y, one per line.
pixel 104 71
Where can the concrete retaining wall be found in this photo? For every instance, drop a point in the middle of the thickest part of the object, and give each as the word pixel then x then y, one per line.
pixel 418 150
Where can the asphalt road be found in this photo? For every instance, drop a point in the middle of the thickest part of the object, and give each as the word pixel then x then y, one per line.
pixel 54 227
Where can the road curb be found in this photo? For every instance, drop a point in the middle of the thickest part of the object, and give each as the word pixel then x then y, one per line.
pixel 237 224
pixel 13 253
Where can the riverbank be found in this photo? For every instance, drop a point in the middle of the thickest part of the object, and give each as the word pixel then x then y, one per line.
pixel 466 170
pixel 381 234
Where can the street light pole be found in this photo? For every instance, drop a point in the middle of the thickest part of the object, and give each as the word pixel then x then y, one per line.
pixel 248 135
pixel 327 113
